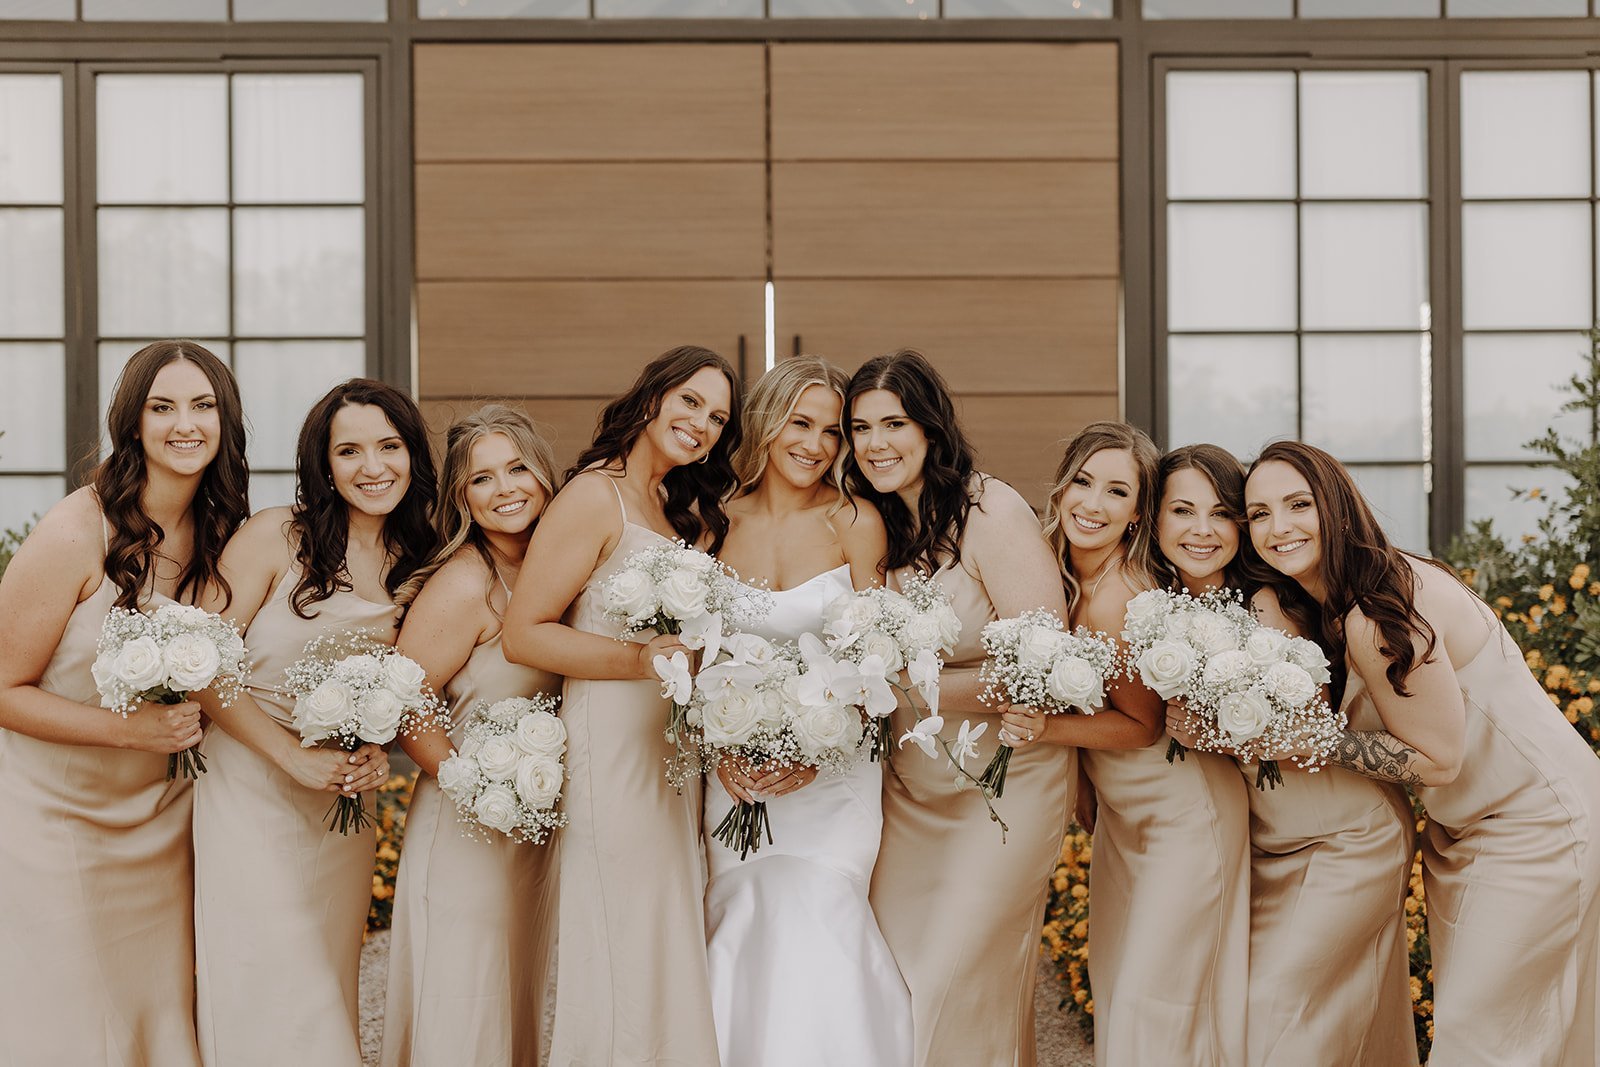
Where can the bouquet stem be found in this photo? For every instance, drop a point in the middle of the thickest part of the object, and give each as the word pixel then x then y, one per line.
pixel 994 775
pixel 1268 775
pixel 190 763
pixel 348 812
pixel 1176 750
pixel 743 827
pixel 882 740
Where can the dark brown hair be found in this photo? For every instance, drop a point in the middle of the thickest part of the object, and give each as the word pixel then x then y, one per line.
pixel 220 504
pixel 1226 474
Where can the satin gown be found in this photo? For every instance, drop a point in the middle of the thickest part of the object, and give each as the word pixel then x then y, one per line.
pixel 1510 865
pixel 631 981
pixel 960 909
pixel 96 932
pixel 800 974
pixel 473 919
pixel 280 903
pixel 1330 858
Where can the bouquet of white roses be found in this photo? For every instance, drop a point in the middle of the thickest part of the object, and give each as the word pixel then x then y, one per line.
pixel 1249 689
pixel 349 689
pixel 508 772
pixel 164 656
pixel 674 589
pixel 1033 661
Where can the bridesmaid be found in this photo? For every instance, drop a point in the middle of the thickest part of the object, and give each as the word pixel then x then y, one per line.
pixel 960 909
pixel 280 901
pixel 472 918
pixel 1168 926
pixel 790 933
pixel 96 935
pixel 631 982
pixel 1444 703
pixel 1330 850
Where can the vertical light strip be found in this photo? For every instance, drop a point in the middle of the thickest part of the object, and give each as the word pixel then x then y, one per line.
pixel 772 337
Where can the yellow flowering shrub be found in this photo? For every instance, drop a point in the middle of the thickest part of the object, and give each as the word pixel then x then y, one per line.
pixel 390 820
pixel 1066 927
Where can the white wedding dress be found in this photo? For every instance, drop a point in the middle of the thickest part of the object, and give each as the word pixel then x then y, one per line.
pixel 800 974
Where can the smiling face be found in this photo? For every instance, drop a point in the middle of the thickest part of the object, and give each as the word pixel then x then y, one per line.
pixel 809 441
pixel 503 495
pixel 1195 531
pixel 180 427
pixel 1098 504
pixel 1285 525
pixel 370 463
pixel 890 447
pixel 692 417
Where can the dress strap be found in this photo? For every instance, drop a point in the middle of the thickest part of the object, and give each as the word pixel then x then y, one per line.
pixel 616 489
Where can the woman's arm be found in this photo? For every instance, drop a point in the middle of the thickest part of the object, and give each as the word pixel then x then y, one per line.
pixel 864 541
pixel 449 618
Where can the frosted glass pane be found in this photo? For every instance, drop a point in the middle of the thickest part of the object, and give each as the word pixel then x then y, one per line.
pixel 156 10
pixel 1489 496
pixel 1230 267
pixel 310 10
pixel 1364 266
pixel 163 138
pixel 271 491
pixel 299 271
pixel 1218 9
pixel 1399 499
pixel 1516 8
pixel 114 355
pixel 23 500
pixel 31 277
pixel 1369 9
pixel 30 138
pixel 502 9
pixel 671 9
pixel 873 9
pixel 33 406
pixel 1363 133
pixel 297 138
pixel 1513 390
pixel 1028 9
pixel 280 380
pixel 1363 396
pixel 1230 134
pixel 1526 266
pixel 163 272
pixel 1525 133
pixel 59 10
pixel 1212 381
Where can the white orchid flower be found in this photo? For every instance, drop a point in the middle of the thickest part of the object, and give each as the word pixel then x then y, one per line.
pixel 867 686
pixel 924 673
pixel 967 742
pixel 719 679
pixel 674 674
pixel 924 735
pixel 748 648
pixel 705 633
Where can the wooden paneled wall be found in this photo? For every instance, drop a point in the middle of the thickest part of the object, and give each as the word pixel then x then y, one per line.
pixel 581 208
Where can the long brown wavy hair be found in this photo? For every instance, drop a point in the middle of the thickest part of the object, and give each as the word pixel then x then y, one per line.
pixel 1359 566
pixel 321 516
pixel 220 504
pixel 1139 555
pixel 454 517
pixel 695 491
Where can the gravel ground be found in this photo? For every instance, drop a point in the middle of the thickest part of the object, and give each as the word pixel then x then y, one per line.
pixel 1061 1044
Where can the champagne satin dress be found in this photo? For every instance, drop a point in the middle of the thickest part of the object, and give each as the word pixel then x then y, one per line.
pixel 1330 858
pixel 96 932
pixel 960 909
pixel 280 902
pixel 1169 908
pixel 473 919
pixel 1511 864
pixel 631 979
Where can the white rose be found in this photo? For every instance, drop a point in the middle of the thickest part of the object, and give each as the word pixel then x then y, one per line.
pixel 541 734
pixel 748 648
pixel 496 808
pixel 538 781
pixel 949 624
pixel 1308 656
pixel 191 662
pixel 1176 626
pixel 1244 715
pixel 1289 684
pixel 403 677
pixel 1074 680
pixel 380 716
pixel 773 710
pixel 877 643
pixel 1226 667
pixel 1212 633
pixel 1148 605
pixel 232 647
pixel 459 777
pixel 1038 645
pixel 692 559
pixel 825 726
pixel 1266 646
pixel 921 631
pixel 633 594
pixel 1166 666
pixel 498 758
pixel 732 719
pixel 320 713
pixel 683 594
pixel 139 666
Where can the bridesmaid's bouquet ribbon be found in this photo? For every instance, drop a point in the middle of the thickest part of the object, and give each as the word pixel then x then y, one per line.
pixel 507 775
pixel 351 689
pixel 162 657
pixel 1033 661
pixel 1249 690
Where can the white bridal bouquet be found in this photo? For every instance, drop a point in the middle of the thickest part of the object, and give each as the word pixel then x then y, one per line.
pixel 674 589
pixel 508 772
pixel 350 688
pixel 1033 661
pixel 164 656
pixel 1249 689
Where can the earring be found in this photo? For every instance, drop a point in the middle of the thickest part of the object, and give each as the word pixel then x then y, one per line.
pixel 703 458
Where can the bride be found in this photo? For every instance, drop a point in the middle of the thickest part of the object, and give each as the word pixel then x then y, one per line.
pixel 800 973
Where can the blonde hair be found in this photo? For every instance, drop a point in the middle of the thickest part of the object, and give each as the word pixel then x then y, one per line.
pixel 1139 560
pixel 453 517
pixel 768 407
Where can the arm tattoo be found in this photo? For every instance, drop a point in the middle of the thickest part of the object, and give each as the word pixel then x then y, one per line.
pixel 1376 754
